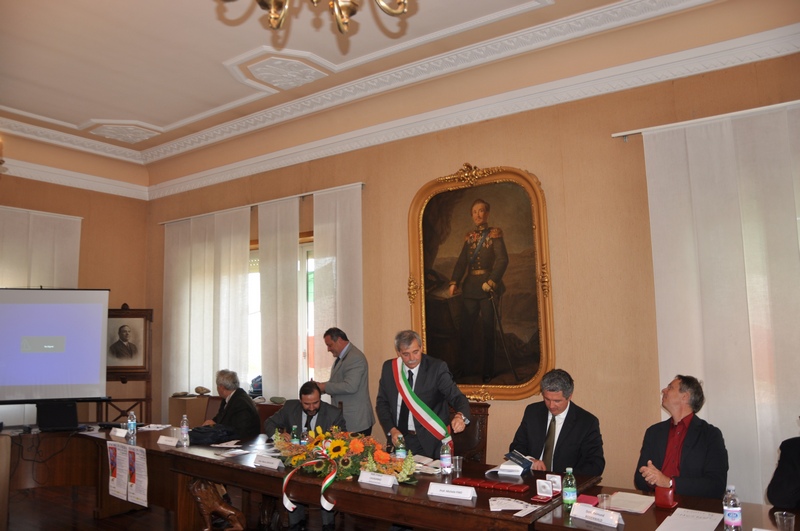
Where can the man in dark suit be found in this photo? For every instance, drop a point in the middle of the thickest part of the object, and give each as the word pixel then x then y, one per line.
pixel 784 489
pixel 349 382
pixel 683 451
pixel 575 441
pixel 308 412
pixel 430 381
pixel 123 348
pixel 237 409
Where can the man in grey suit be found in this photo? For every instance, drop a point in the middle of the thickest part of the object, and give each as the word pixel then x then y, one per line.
pixel 309 412
pixel 430 380
pixel 349 382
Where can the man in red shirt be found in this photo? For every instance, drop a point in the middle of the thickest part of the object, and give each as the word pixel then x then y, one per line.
pixel 684 451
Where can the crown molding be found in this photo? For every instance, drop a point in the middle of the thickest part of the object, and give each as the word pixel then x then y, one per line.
pixel 603 19
pixel 584 24
pixel 39 172
pixel 767 45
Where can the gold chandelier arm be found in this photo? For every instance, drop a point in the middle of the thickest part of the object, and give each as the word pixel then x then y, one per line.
pixel 277 11
pixel 402 7
pixel 342 20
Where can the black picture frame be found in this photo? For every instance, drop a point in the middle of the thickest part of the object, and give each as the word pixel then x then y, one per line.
pixel 121 365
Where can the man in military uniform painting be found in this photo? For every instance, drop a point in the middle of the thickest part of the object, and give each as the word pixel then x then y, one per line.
pixel 479 275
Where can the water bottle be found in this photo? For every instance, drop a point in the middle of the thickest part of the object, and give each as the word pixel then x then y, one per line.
pixel 569 491
pixel 732 510
pixel 304 437
pixel 295 435
pixel 184 442
pixel 446 459
pixel 400 451
pixel 131 435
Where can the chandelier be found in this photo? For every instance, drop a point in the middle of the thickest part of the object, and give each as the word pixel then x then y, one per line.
pixel 342 10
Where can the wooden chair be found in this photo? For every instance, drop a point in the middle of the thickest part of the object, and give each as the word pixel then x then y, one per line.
pixel 471 443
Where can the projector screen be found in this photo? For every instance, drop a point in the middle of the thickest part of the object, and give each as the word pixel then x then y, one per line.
pixel 52 344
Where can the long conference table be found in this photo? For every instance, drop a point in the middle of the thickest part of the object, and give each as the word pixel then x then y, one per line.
pixel 170 471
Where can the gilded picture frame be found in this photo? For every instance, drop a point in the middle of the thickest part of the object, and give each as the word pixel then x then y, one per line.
pixel 494 326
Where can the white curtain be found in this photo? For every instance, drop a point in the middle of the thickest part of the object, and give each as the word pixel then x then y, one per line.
pixel 205 299
pixel 338 279
pixel 724 208
pixel 278 255
pixel 37 249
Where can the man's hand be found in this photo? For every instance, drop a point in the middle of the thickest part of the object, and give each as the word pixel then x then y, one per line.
pixel 654 476
pixel 486 287
pixel 321 386
pixel 452 289
pixel 537 465
pixel 209 423
pixel 458 423
pixel 395 433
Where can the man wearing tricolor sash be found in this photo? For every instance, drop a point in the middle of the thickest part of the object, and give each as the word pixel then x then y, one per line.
pixel 415 394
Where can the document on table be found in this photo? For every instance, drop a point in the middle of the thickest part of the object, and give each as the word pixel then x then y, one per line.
pixel 689 520
pixel 632 503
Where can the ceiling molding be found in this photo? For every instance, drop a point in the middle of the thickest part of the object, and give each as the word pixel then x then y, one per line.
pixel 603 19
pixel 753 48
pixel 775 43
pixel 587 23
pixel 38 172
pixel 57 138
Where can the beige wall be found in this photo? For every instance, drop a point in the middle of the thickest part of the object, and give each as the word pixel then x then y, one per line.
pixel 601 270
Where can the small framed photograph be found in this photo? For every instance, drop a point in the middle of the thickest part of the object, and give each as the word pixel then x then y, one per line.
pixel 128 342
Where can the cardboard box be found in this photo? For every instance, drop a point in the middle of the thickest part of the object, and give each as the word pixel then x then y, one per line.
pixel 193 406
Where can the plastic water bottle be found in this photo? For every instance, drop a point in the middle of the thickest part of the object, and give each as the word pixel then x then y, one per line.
pixel 131 436
pixel 295 435
pixel 446 459
pixel 184 442
pixel 569 490
pixel 400 451
pixel 731 510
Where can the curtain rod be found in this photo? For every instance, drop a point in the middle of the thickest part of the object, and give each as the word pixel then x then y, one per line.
pixel 251 205
pixel 664 127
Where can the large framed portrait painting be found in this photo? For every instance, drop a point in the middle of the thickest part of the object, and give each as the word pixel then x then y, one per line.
pixel 479 285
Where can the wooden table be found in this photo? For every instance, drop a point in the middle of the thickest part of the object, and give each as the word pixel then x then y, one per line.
pixel 753 515
pixel 170 471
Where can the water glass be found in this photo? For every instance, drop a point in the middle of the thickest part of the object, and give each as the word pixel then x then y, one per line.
pixel 458 462
pixel 604 501
pixel 784 521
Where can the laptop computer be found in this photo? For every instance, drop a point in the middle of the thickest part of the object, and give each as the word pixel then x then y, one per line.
pixel 57 415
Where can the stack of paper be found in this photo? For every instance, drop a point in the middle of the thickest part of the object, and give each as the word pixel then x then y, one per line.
pixel 632 503
pixel 688 520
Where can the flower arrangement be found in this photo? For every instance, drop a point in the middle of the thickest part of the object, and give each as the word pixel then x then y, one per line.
pixel 343 455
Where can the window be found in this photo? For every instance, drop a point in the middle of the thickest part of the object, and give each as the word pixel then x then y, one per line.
pixel 305 296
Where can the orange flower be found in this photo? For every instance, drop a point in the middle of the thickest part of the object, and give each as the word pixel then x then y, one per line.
pixel 382 457
pixel 356 446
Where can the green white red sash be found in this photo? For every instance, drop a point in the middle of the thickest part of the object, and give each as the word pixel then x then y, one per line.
pixel 425 415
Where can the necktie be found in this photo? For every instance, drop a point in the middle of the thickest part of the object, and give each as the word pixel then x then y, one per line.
pixel 308 422
pixel 549 444
pixel 335 363
pixel 402 423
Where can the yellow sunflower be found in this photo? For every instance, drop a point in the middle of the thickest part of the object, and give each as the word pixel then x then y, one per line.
pixel 298 459
pixel 337 448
